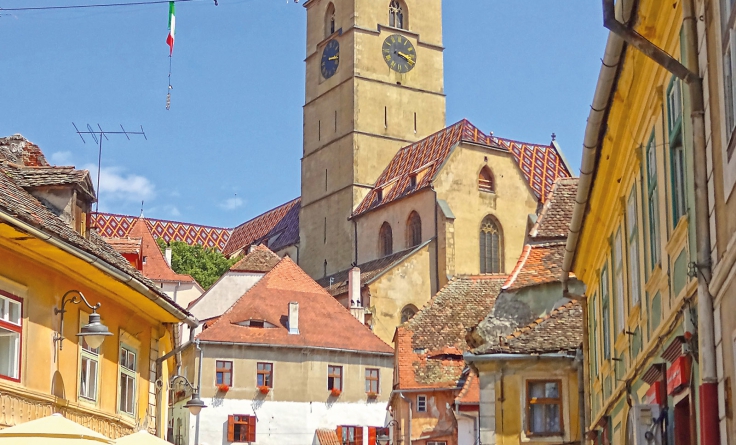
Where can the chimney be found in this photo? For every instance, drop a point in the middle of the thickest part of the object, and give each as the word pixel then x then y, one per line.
pixel 167 254
pixel 354 287
pixel 294 318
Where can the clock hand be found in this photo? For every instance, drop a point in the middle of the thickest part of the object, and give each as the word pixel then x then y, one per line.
pixel 407 58
pixel 334 58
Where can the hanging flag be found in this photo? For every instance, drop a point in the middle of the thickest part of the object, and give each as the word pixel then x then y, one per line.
pixel 172 28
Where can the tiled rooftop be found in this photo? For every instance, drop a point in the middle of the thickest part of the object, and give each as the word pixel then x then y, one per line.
pixel 40 176
pixel 277 228
pixel 327 437
pixel 559 332
pixel 554 220
pixel 261 259
pixel 125 245
pixel 540 165
pixel 538 264
pixel 155 266
pixel 323 321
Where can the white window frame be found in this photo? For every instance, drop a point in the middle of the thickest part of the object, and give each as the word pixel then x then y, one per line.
pixel 14 325
pixel 632 217
pixel 618 283
pixel 727 61
pixel 92 356
pixel 421 403
pixel 124 371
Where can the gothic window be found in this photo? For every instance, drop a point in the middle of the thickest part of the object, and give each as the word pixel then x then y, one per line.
pixel 330 20
pixel 385 240
pixel 491 246
pixel 413 230
pixel 485 180
pixel 396 14
pixel 408 312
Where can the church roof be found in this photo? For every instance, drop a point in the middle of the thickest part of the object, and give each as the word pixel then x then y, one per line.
pixel 111 225
pixel 540 165
pixel 277 228
pixel 323 321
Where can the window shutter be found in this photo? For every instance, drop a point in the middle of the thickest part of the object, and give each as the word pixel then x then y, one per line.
pixel 358 435
pixel 231 428
pixel 338 431
pixel 251 429
pixel 371 435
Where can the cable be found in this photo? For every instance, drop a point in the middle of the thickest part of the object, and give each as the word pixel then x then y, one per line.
pixel 45 8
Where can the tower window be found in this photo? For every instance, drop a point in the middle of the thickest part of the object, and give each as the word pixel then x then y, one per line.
pixel 330 20
pixel 408 312
pixel 485 180
pixel 396 14
pixel 413 230
pixel 385 240
pixel 491 249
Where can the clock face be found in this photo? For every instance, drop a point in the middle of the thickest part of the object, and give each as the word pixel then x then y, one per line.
pixel 330 59
pixel 399 53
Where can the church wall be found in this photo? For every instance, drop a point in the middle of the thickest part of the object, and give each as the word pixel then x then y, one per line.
pixel 410 282
pixel 424 17
pixel 457 184
pixel 396 214
pixel 337 161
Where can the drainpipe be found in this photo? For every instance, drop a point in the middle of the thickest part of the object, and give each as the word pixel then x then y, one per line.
pixel 581 365
pixel 199 388
pixel 401 394
pixel 436 241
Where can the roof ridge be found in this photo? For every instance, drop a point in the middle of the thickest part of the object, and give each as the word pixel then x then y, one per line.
pixel 519 265
pixel 268 211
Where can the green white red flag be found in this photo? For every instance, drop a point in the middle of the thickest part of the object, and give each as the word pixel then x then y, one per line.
pixel 172 28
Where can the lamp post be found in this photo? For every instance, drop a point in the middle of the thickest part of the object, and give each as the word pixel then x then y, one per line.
pixel 384 439
pixel 195 404
pixel 93 333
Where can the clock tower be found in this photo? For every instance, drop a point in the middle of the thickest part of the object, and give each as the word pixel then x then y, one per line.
pixel 374 84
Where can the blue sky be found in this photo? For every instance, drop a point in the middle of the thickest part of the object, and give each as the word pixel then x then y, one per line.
pixel 229 148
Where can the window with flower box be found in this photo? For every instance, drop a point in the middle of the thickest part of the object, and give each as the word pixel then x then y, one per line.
pixel 265 375
pixel 223 373
pixel 11 329
pixel 334 378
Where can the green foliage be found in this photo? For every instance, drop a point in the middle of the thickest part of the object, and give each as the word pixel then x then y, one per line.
pixel 206 265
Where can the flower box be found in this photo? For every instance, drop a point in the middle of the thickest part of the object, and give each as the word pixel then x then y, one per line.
pixel 334 392
pixel 223 387
pixel 372 395
pixel 264 389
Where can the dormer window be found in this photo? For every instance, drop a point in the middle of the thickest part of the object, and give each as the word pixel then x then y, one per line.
pixel 256 324
pixel 413 181
pixel 379 195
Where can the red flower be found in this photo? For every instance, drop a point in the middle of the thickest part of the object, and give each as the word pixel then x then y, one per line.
pixel 223 387
pixel 264 389
pixel 372 395
pixel 335 392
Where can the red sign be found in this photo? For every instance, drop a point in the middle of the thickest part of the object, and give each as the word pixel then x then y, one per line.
pixel 654 394
pixel 678 375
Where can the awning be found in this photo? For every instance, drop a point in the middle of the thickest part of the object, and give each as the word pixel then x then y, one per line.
pixel 51 430
pixel 141 438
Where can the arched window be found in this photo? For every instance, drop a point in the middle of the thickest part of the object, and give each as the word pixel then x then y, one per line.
pixel 330 20
pixel 385 240
pixel 485 180
pixel 408 312
pixel 413 230
pixel 491 246
pixel 396 14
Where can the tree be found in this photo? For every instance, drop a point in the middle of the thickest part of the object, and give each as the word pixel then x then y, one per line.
pixel 206 265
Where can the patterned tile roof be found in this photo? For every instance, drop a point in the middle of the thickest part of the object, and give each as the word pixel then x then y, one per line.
pixel 541 165
pixel 431 344
pixel 554 219
pixel 17 202
pixel 277 228
pixel 40 176
pixel 538 264
pixel 111 225
pixel 323 321
pixel 560 331
pixel 327 437
pixel 260 260
pixel 337 283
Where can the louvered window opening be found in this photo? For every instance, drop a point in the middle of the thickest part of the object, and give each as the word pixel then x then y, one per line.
pixel 485 181
pixel 490 247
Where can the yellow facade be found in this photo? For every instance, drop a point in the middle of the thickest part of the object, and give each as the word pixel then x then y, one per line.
pixel 356 120
pixel 37 273
pixel 638 236
pixel 503 392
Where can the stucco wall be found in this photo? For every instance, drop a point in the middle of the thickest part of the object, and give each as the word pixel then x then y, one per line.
pixel 413 281
pixel 181 293
pixel 513 200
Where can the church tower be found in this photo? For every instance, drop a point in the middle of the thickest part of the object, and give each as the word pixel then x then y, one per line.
pixel 374 84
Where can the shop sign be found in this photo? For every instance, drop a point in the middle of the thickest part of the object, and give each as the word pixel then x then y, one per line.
pixel 678 375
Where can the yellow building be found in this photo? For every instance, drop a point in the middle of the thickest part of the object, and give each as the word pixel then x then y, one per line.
pixel 637 235
pixel 49 259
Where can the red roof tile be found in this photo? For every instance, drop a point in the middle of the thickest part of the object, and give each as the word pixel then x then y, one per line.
pixel 538 264
pixel 540 165
pixel 327 437
pixel 42 176
pixel 323 321
pixel 277 228
pixel 431 344
pixel 118 226
pixel 260 260
pixel 125 245
pixel 470 394
pixel 155 266
pixel 554 219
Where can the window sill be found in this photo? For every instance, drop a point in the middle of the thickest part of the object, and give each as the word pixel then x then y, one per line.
pixel 678 237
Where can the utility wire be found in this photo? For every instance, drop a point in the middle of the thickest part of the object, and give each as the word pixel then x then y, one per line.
pixel 45 8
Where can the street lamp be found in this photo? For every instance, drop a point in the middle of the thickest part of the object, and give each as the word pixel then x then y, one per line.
pixel 383 438
pixel 93 333
pixel 195 404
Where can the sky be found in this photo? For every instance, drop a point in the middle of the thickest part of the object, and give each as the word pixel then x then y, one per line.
pixel 229 148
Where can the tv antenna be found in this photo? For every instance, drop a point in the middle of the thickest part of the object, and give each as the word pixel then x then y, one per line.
pixel 98 135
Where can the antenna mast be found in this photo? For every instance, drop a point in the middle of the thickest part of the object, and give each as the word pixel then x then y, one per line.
pixel 98 139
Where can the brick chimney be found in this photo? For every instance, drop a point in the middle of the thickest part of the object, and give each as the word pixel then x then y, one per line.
pixel 294 318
